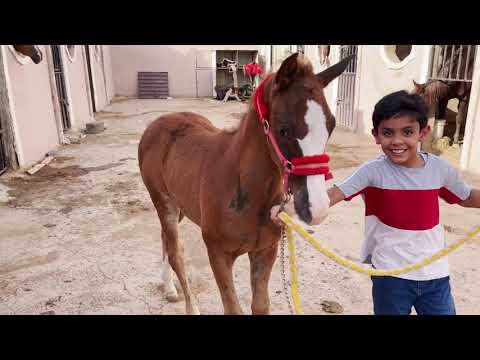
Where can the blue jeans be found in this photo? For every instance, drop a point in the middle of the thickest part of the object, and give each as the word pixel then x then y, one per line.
pixel 396 296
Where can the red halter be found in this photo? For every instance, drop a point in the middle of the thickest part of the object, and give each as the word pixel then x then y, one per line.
pixel 300 166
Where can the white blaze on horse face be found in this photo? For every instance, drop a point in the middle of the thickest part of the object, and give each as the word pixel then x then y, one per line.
pixel 314 143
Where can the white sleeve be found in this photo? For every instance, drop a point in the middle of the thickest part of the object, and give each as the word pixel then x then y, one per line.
pixel 357 182
pixel 454 189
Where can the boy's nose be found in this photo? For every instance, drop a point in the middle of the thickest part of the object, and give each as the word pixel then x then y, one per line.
pixel 397 140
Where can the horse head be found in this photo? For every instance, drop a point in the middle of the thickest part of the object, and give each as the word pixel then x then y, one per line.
pixel 32 51
pixel 432 92
pixel 418 88
pixel 301 122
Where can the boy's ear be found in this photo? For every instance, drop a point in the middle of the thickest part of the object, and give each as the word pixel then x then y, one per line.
pixel 375 135
pixel 424 132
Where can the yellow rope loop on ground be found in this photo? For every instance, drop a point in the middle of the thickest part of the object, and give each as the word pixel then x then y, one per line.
pixel 362 269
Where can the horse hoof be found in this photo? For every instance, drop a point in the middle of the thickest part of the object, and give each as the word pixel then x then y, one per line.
pixel 193 311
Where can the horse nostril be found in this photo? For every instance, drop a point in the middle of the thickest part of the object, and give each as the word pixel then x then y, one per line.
pixel 305 215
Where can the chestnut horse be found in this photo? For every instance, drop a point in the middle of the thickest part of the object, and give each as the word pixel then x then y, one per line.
pixel 226 181
pixel 437 93
pixel 32 51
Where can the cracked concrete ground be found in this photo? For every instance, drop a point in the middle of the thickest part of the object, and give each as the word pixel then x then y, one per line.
pixel 82 237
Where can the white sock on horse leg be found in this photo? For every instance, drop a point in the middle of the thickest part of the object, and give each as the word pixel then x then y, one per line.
pixel 171 293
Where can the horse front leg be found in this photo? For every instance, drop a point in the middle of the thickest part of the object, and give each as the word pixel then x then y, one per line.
pixel 222 267
pixel 460 119
pixel 261 264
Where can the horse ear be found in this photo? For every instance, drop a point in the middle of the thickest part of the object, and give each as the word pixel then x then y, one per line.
pixel 287 71
pixel 332 72
pixel 418 87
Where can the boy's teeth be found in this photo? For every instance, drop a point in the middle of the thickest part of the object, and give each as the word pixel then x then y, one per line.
pixel 398 151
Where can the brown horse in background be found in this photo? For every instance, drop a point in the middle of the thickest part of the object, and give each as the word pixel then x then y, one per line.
pixel 32 51
pixel 226 181
pixel 437 93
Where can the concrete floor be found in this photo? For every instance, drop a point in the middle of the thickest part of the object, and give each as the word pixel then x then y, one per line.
pixel 82 237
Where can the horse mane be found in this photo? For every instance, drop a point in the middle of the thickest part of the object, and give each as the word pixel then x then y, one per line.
pixel 304 64
pixel 434 90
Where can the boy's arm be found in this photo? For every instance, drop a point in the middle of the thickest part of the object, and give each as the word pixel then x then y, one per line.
pixel 336 195
pixel 473 201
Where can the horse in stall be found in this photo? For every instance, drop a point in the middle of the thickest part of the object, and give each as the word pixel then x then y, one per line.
pixel 227 181
pixel 439 92
pixel 32 51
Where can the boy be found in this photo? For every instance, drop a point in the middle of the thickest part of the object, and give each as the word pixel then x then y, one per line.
pixel 400 190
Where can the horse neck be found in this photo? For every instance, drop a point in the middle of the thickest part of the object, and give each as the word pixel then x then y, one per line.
pixel 253 153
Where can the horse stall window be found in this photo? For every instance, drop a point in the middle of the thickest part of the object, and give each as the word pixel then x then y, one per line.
pixel 397 53
pixel 447 90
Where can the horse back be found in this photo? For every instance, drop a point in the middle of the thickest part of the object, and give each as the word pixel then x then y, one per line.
pixel 172 153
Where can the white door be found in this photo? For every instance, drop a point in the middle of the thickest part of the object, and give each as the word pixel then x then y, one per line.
pixel 204 69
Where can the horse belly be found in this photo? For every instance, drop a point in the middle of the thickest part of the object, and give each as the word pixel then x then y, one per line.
pixel 182 181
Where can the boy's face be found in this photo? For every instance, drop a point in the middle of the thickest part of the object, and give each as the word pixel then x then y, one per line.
pixel 399 137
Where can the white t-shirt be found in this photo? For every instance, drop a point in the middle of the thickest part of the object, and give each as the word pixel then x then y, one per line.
pixel 402 212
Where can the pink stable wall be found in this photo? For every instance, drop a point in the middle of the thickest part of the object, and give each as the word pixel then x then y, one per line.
pixel 179 61
pixel 76 72
pixel 34 114
pixel 109 72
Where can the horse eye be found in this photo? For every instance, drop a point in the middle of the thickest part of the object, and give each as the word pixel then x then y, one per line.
pixel 283 132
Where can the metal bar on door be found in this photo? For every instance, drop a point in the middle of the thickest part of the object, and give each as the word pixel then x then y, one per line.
pixel 467 63
pixel 436 55
pixel 459 65
pixel 443 60
pixel 452 57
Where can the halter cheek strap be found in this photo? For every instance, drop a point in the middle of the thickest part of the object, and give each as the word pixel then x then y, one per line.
pixel 300 166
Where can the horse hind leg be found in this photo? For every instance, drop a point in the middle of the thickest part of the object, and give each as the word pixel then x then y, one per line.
pixel 169 288
pixel 173 250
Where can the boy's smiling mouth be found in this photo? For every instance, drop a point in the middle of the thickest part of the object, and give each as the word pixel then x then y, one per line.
pixel 398 151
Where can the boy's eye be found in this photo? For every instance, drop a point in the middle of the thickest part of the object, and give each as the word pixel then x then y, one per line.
pixel 408 132
pixel 387 133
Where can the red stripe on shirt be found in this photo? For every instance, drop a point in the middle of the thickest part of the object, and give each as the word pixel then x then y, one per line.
pixel 403 209
pixel 448 196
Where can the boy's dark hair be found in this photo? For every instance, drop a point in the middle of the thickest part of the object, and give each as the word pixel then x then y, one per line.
pixel 400 103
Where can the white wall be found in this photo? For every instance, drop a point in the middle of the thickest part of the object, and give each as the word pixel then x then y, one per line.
pixel 377 78
pixel 470 158
pixel 32 107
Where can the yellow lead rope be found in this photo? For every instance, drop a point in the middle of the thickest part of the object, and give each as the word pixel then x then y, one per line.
pixel 293 269
pixel 350 264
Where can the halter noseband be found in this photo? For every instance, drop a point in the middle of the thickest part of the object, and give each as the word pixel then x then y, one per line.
pixel 300 166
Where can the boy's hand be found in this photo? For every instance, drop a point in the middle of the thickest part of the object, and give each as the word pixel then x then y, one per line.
pixel 273 214
pixel 473 200
pixel 336 195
